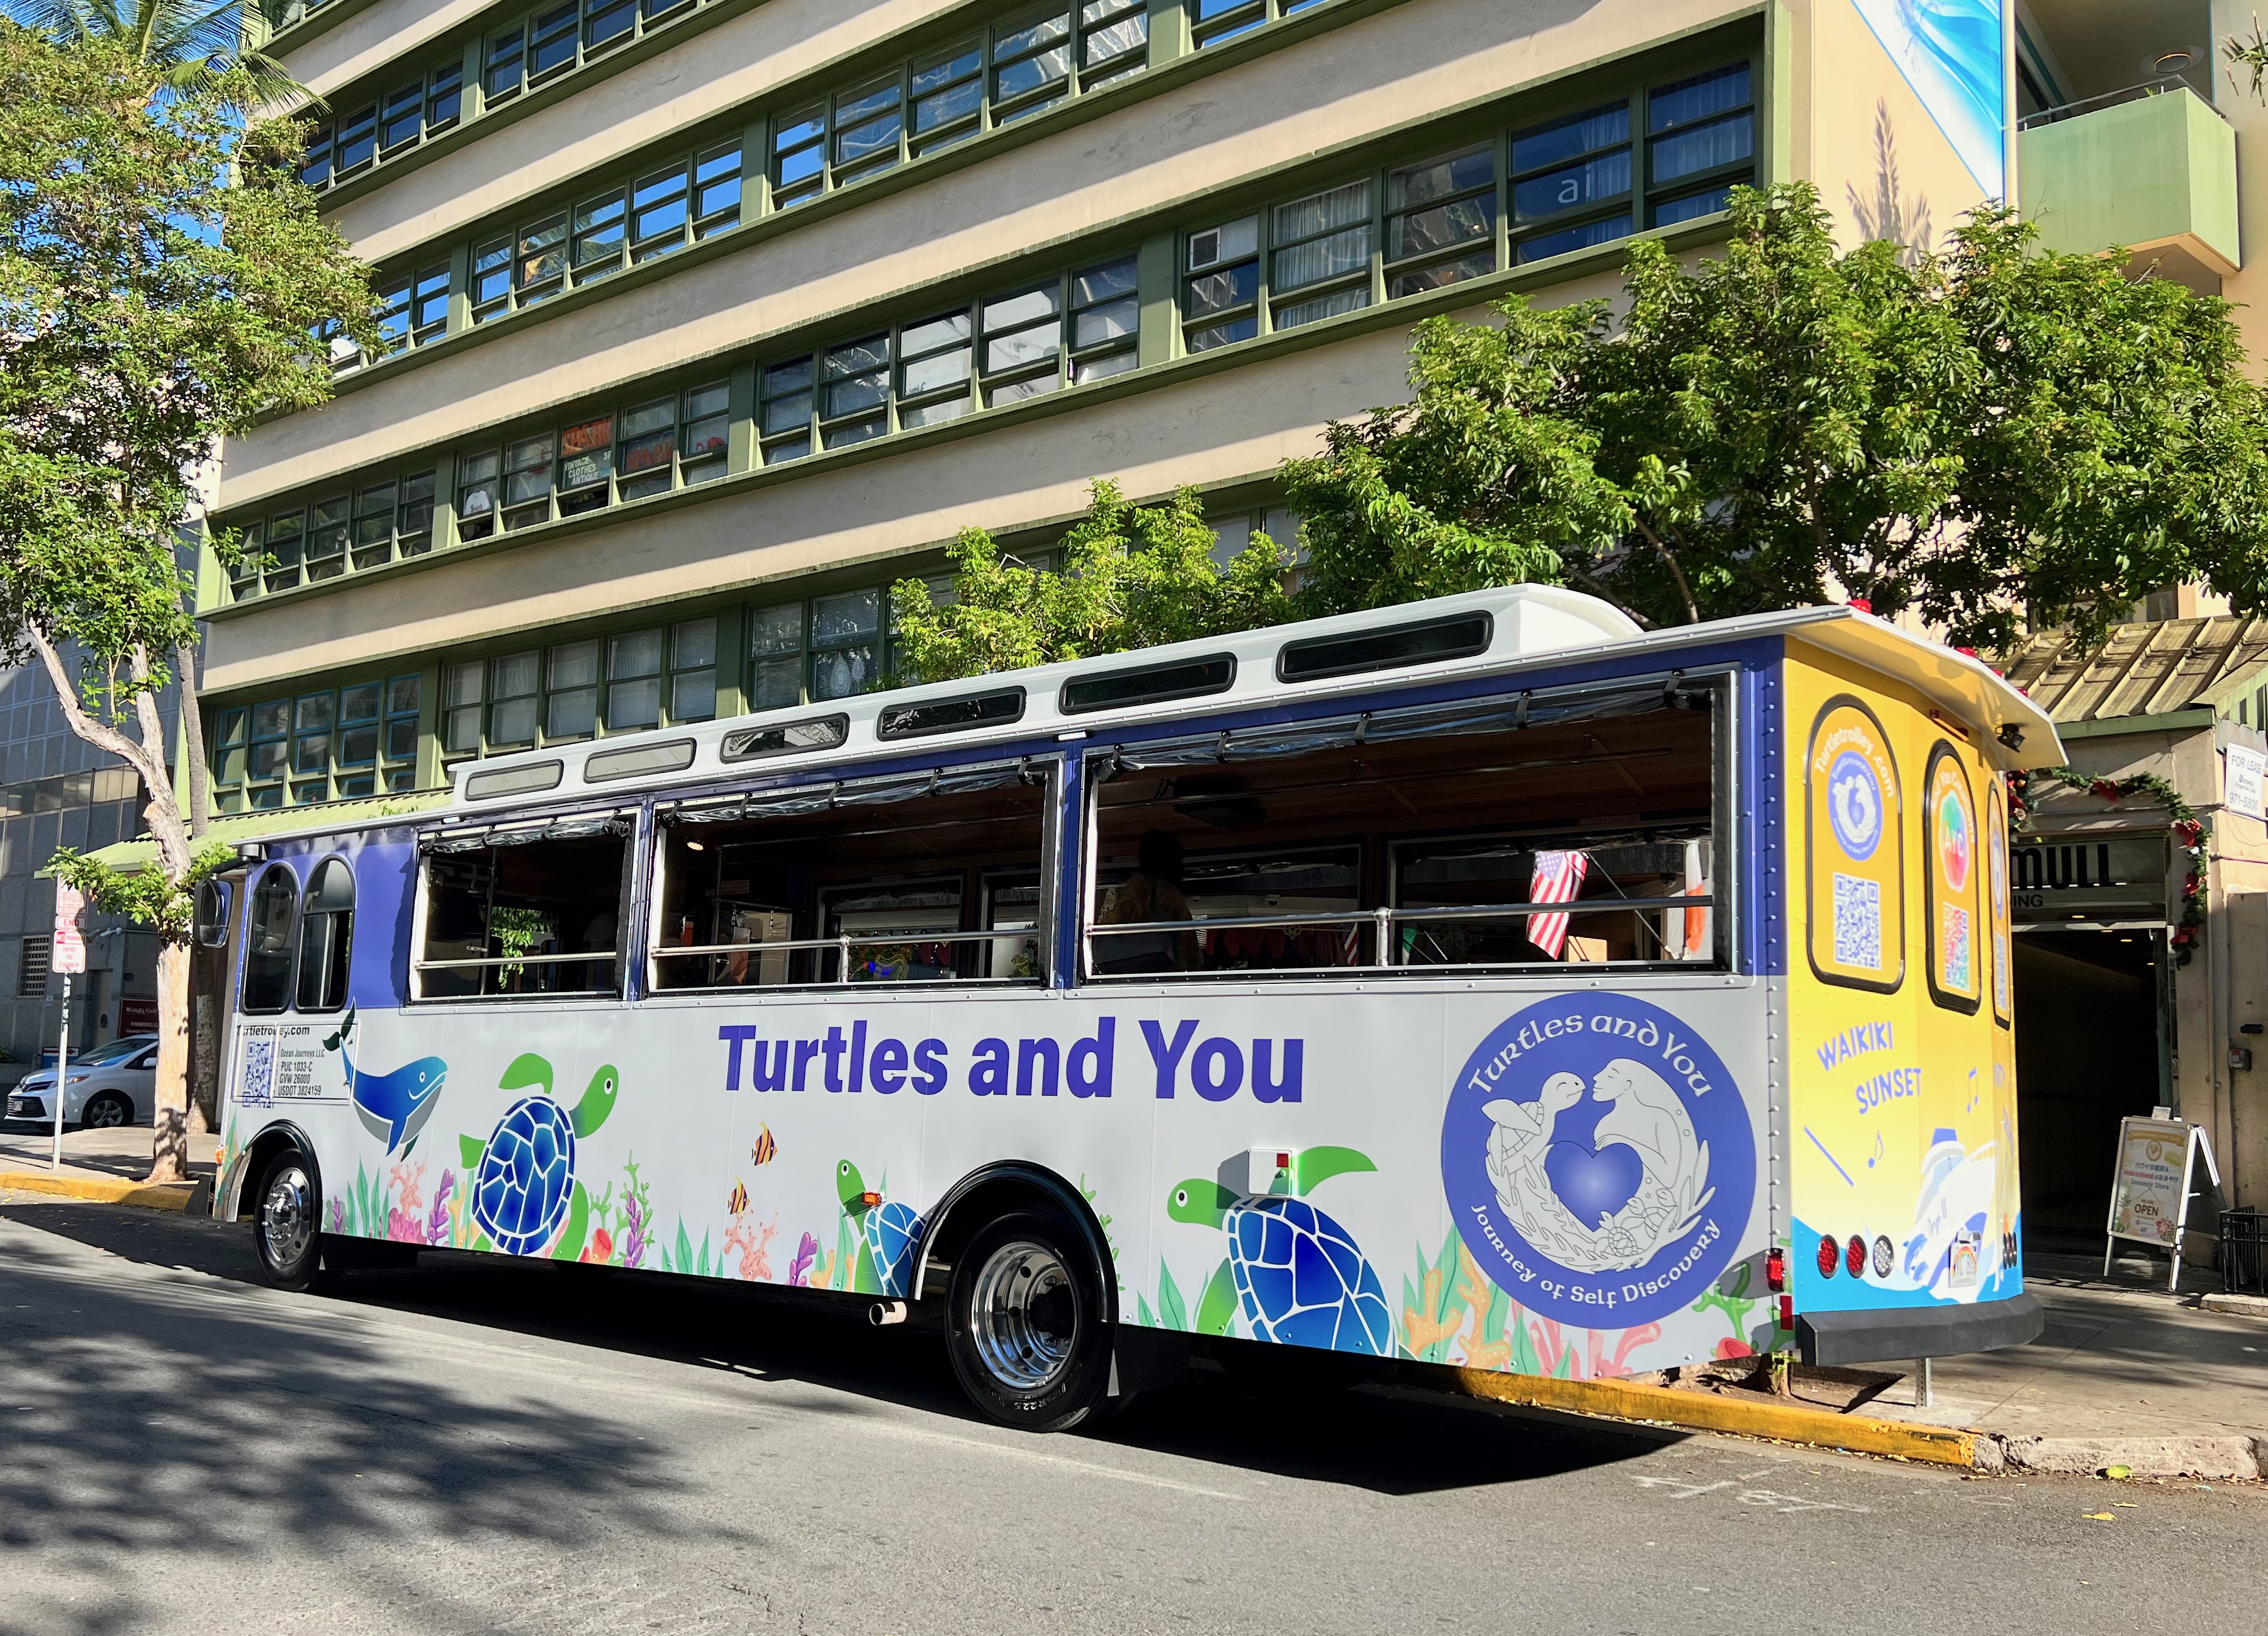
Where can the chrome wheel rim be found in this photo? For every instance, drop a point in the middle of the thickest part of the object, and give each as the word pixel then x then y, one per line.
pixel 104 1115
pixel 287 1218
pixel 1024 1319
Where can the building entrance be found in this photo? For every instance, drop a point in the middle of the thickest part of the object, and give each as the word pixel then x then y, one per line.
pixel 2089 1052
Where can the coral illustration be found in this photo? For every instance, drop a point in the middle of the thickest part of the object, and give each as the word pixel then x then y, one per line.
pixel 751 1241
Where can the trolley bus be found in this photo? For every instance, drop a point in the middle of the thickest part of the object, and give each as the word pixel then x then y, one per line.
pixel 1485 981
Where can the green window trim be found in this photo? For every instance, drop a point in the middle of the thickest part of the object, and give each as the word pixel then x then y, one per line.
pixel 852 132
pixel 1489 204
pixel 327 742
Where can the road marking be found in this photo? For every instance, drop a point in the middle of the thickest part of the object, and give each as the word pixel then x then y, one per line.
pixel 1767 1498
pixel 1087 1468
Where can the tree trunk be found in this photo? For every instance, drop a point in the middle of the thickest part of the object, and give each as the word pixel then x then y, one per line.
pixel 169 1145
pixel 191 715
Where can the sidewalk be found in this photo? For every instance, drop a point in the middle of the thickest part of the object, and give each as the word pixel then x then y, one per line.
pixel 2125 1374
pixel 104 1165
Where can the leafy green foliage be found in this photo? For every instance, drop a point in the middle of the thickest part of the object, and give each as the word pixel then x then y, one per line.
pixel 161 902
pixel 1991 435
pixel 163 281
pixel 1132 575
pixel 204 46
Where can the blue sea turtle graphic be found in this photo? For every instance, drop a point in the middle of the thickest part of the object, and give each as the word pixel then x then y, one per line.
pixel 524 1187
pixel 1299 1276
pixel 393 1107
pixel 888 1232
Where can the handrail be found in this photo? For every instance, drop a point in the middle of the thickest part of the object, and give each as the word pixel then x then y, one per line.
pixel 2126 93
pixel 843 944
pixel 518 959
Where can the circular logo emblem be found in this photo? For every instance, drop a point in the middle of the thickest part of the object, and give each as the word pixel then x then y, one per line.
pixel 1598 1160
pixel 1854 806
pixel 1953 840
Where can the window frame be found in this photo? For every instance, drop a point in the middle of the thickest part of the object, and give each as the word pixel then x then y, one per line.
pixel 343 947
pixel 1725 902
pixel 280 869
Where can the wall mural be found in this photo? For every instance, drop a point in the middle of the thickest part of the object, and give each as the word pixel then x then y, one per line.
pixel 1952 53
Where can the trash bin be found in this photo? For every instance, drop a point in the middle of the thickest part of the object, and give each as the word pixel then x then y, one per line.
pixel 2244 1252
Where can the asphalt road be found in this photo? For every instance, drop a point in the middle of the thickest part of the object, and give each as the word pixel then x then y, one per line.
pixel 478 1446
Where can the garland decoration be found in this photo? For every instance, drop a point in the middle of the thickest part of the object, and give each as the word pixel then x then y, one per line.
pixel 2189 831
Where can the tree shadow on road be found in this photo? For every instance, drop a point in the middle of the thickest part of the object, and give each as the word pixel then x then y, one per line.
pixel 142 1420
pixel 1283 1416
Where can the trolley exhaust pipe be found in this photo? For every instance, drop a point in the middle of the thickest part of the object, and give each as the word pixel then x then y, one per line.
pixel 886 1312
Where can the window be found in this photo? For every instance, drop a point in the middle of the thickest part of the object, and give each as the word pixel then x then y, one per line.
pixel 1212 21
pixel 413 310
pixel 538 915
pixel 1220 294
pixel 622 682
pixel 1576 166
pixel 1440 222
pixel 31 968
pixel 326 937
pixel 953 94
pixel 1430 837
pixel 846 644
pixel 927 877
pixel 647 450
pixel 272 918
pixel 1701 136
pixel 776 656
pixel 334 744
pixel 1319 256
pixel 405 117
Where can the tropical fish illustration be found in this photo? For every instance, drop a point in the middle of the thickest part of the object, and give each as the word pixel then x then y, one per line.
pixel 738 1200
pixel 393 1107
pixel 765 1149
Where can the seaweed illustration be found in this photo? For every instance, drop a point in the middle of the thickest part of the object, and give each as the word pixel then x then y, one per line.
pixel 1214 1313
pixel 1736 1303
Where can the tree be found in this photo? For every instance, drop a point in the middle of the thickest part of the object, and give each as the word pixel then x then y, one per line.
pixel 1131 576
pixel 1991 435
pixel 148 305
pixel 195 45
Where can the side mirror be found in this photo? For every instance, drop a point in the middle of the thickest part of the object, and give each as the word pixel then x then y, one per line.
pixel 214 899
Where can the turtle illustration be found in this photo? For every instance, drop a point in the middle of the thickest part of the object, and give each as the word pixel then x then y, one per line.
pixel 1299 1276
pixel 888 1232
pixel 524 1187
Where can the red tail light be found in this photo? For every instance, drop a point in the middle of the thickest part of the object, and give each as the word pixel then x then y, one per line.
pixel 1776 1269
pixel 1830 1253
pixel 1855 1257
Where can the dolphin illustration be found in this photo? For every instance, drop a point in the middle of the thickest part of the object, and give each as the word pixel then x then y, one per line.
pixel 393 1107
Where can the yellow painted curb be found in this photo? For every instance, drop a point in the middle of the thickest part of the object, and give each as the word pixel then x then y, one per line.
pixel 103 1190
pixel 1937 1445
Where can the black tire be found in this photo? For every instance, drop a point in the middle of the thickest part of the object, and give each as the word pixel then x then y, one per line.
pixel 287 1225
pixel 107 1110
pixel 1027 1322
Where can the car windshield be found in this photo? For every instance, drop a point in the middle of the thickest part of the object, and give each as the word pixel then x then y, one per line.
pixel 116 1050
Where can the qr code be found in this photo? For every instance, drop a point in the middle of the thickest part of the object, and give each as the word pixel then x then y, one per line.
pixel 1858 922
pixel 257 1089
pixel 1956 949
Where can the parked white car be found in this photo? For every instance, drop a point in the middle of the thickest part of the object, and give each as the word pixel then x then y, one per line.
pixel 112 1084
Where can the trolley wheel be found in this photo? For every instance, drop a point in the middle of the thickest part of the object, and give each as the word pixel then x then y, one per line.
pixel 1024 1324
pixel 286 1230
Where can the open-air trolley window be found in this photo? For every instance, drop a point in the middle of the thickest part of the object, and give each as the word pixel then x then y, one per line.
pixel 1540 830
pixel 531 909
pixel 934 876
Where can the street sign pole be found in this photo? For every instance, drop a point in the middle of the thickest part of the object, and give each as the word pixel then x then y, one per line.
pixel 63 1063
pixel 70 958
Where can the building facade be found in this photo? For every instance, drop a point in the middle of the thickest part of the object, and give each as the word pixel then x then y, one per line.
pixel 706 320
pixel 57 789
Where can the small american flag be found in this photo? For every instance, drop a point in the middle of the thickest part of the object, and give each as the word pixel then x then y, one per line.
pixel 1558 877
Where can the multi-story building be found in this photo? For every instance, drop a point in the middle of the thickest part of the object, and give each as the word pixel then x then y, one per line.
pixel 57 789
pixel 708 320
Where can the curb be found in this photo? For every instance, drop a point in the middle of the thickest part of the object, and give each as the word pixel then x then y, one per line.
pixel 177 1197
pixel 1934 1445
pixel 2236 1305
pixel 2222 1459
